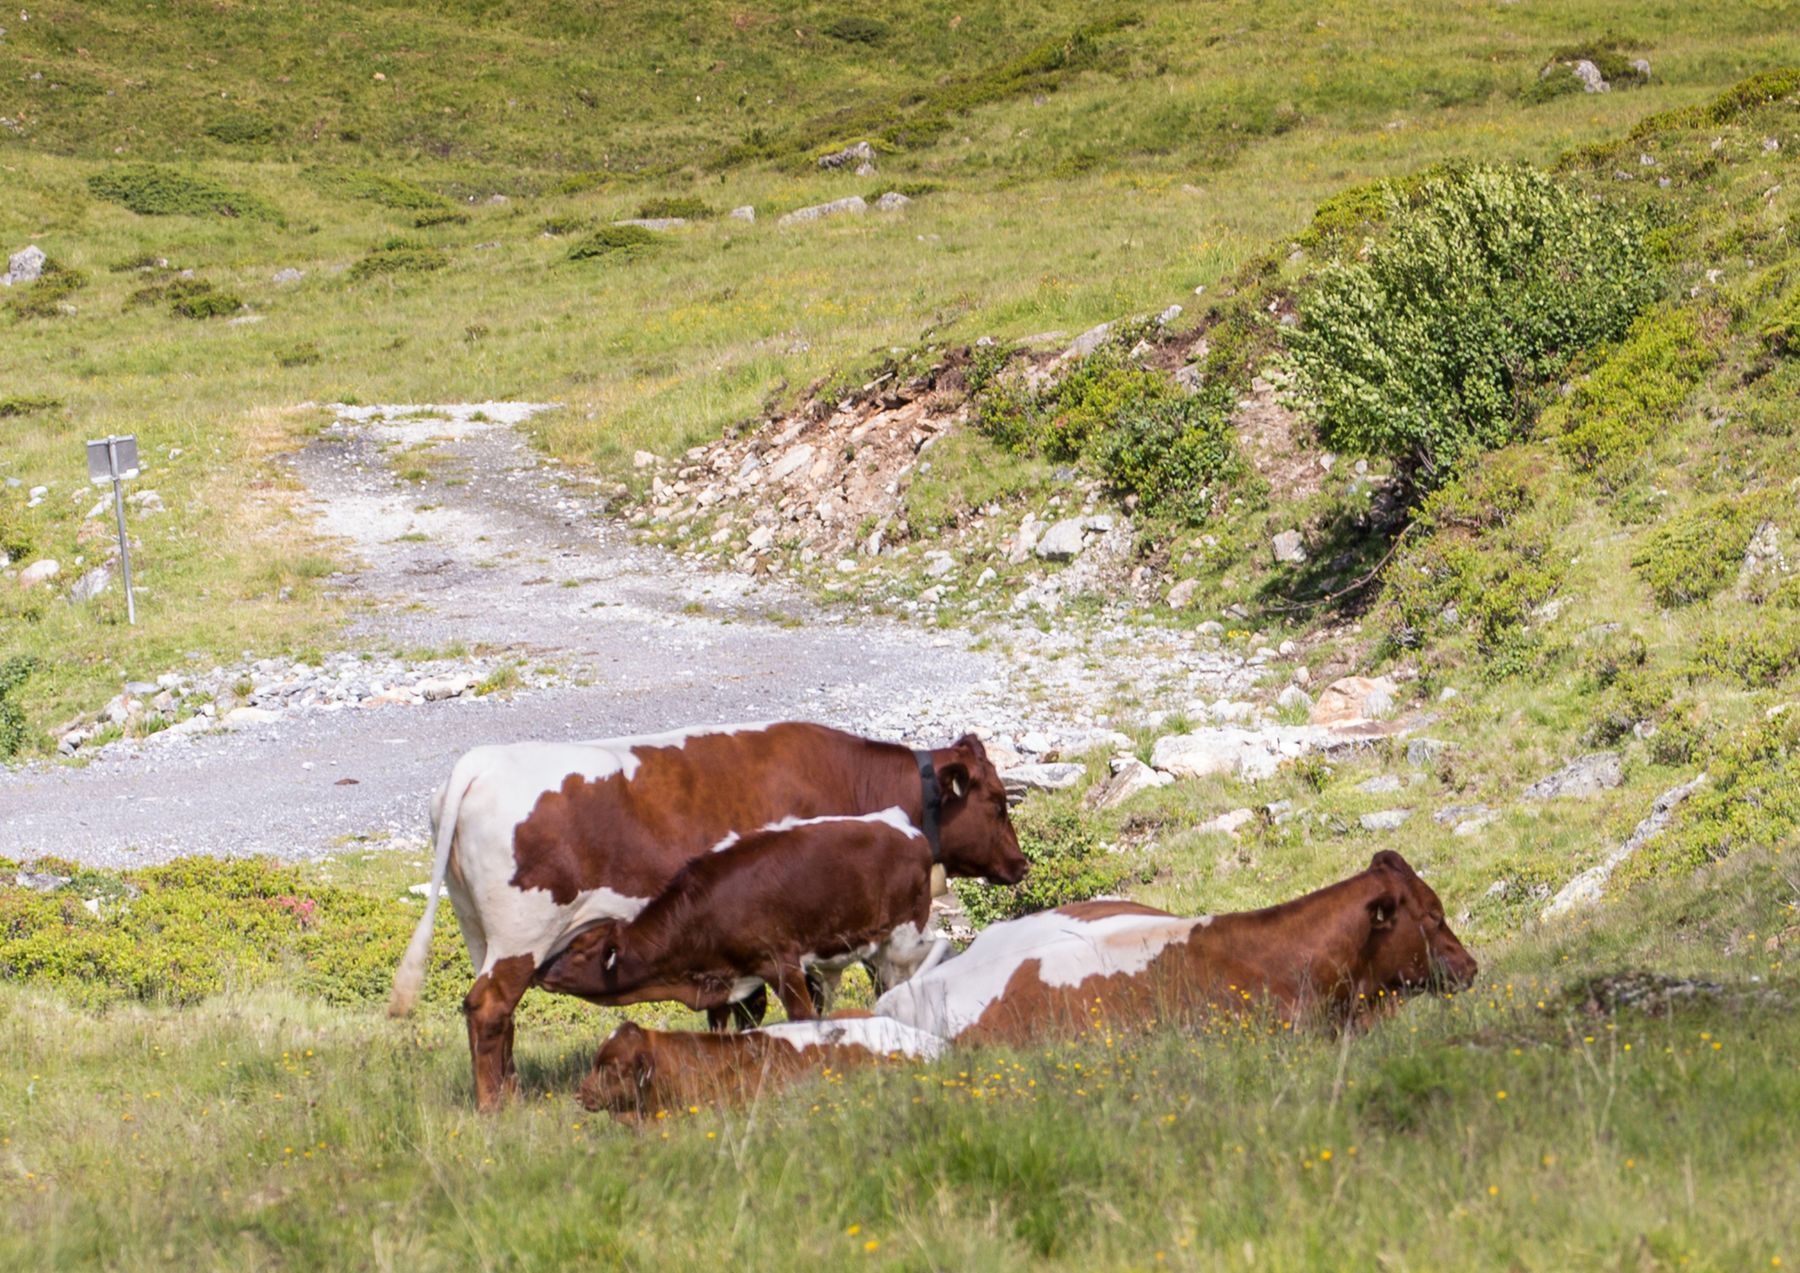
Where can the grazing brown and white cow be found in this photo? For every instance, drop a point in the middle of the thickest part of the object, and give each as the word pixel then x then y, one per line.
pixel 639 1072
pixel 809 892
pixel 537 840
pixel 1340 955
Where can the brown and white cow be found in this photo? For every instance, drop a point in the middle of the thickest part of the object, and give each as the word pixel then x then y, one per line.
pixel 808 892
pixel 638 1072
pixel 537 840
pixel 1340 955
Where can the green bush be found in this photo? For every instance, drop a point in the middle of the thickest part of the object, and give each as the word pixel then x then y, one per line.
pixel 1615 414
pixel 1755 656
pixel 303 353
pixel 14 672
pixel 856 30
pixel 1751 800
pixel 439 216
pixel 241 128
pixel 209 304
pixel 22 404
pixel 186 298
pixel 617 243
pixel 399 256
pixel 1067 865
pixel 1439 345
pixel 687 207
pixel 1780 332
pixel 389 192
pixel 151 190
pixel 1699 552
pixel 46 297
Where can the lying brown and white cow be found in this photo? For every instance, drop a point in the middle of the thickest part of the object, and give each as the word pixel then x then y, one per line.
pixel 638 1072
pixel 768 909
pixel 1342 954
pixel 537 840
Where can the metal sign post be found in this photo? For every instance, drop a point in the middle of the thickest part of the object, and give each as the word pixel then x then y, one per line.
pixel 115 460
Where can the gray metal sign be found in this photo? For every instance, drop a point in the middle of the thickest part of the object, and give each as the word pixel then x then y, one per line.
pixel 115 460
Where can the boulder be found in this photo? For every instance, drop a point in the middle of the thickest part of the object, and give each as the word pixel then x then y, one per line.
pixel 1062 541
pixel 1130 776
pixel 1182 593
pixel 1021 779
pixel 91 585
pixel 289 275
pixel 1586 888
pixel 852 156
pixel 1591 79
pixel 1582 777
pixel 1087 342
pixel 892 201
pixel 794 461
pixel 1385 820
pixel 38 572
pixel 437 688
pixel 1348 699
pixel 1380 784
pixel 1228 823
pixel 1423 753
pixel 1289 547
pixel 24 266
pixel 745 213
pixel 1293 696
pixel 799 216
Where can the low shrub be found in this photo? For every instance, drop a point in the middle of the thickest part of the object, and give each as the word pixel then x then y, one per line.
pixel 208 304
pixel 303 353
pixel 241 128
pixel 1439 345
pixel 389 192
pixel 23 404
pixel 186 298
pixel 439 216
pixel 1757 656
pixel 1696 554
pixel 1780 332
pixel 399 256
pixel 855 29
pixel 1067 865
pixel 617 243
pixel 686 207
pixel 1613 415
pixel 46 297
pixel 151 190
pixel 136 262
pixel 14 672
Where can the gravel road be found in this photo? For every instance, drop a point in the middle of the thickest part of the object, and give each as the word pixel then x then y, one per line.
pixel 510 552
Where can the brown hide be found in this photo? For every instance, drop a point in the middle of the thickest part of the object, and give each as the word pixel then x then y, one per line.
pixel 754 910
pixel 1340 955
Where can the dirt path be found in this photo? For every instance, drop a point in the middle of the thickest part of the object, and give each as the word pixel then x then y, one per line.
pixel 510 552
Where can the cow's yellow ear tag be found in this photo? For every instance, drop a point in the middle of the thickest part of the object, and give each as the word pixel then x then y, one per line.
pixel 940 882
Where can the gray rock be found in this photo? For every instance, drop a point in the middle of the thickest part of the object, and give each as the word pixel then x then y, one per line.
pixel 1236 610
pixel 1211 628
pixel 1379 703
pixel 1422 753
pixel 91 585
pixel 25 265
pixel 1641 66
pixel 1293 696
pixel 1585 889
pixel 799 216
pixel 1385 820
pixel 38 572
pixel 655 223
pixel 799 458
pixel 1580 778
pixel 1189 377
pixel 1591 79
pixel 892 201
pixel 40 881
pixel 1289 547
pixel 940 563
pixel 1088 342
pixel 1130 776
pixel 1062 541
pixel 1040 777
pixel 1168 316
pixel 1182 593
pixel 1380 784
pixel 745 213
pixel 1228 823
pixel 1461 813
pixel 853 156
pixel 289 275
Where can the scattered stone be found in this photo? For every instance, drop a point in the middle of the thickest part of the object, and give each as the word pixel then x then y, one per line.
pixel 800 216
pixel 91 585
pixel 1385 820
pixel 1062 541
pixel 892 201
pixel 38 572
pixel 1189 378
pixel 250 716
pixel 1182 593
pixel 1021 779
pixel 1228 823
pixel 1586 888
pixel 1582 777
pixel 745 213
pixel 1168 316
pixel 1448 693
pixel 438 688
pixel 939 563
pixel 24 266
pixel 1422 753
pixel 1130 776
pixel 1289 547
pixel 986 577
pixel 40 881
pixel 1380 784
pixel 1353 698
pixel 1087 342
pixel 1292 696
pixel 1302 676
pixel 855 156
pixel 1236 611
pixel 1462 813
pixel 643 459
pixel 1591 79
pixel 761 538
pixel 289 275
pixel 798 458
pixel 1211 628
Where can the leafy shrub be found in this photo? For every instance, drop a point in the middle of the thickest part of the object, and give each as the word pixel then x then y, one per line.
pixel 389 192
pixel 439 216
pixel 1067 865
pixel 186 298
pixel 14 672
pixel 1481 559
pixel 22 404
pixel 1638 695
pixel 303 353
pixel 1699 552
pixel 241 128
pixel 151 190
pixel 1437 346
pixel 1556 80
pixel 399 256
pixel 46 297
pixel 1780 332
pixel 687 207
pixel 1757 656
pixel 208 304
pixel 17 537
pixel 853 29
pixel 1752 799
pixel 1625 405
pixel 617 243
pixel 557 227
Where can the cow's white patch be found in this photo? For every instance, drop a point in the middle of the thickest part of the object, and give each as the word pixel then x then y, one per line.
pixel 743 988
pixel 878 1034
pixel 731 838
pixel 950 997
pixel 1205 921
pixel 893 816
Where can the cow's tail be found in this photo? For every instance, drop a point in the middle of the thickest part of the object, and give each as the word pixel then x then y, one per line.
pixel 410 976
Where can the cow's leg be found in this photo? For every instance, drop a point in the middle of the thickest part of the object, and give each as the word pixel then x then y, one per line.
pixel 822 984
pixel 489 1008
pixel 745 1014
pixel 789 980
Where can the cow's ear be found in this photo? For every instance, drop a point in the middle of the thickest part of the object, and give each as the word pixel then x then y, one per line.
pixel 609 958
pixel 973 743
pixel 953 778
pixel 1382 910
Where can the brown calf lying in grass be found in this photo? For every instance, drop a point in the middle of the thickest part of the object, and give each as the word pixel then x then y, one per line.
pixel 638 1072
pixel 825 891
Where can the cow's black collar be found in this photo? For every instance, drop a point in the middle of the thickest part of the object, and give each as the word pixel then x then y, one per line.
pixel 928 820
